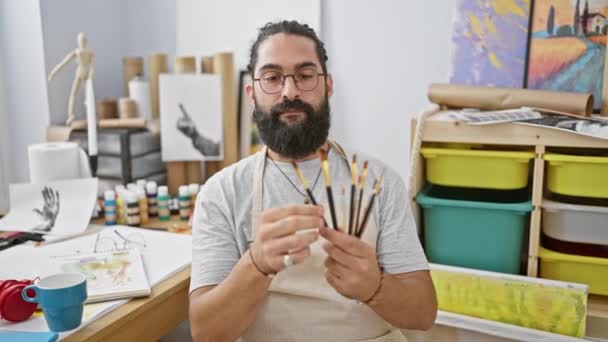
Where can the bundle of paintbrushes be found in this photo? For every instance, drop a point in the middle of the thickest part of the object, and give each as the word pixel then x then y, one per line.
pixel 356 224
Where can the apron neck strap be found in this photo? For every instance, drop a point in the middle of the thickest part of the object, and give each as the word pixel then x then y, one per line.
pixel 258 177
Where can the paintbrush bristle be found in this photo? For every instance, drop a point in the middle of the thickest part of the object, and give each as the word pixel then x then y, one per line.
pixel 300 174
pixel 365 165
pixel 354 158
pixel 323 154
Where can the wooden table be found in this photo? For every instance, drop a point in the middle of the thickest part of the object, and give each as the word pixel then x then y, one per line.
pixel 144 319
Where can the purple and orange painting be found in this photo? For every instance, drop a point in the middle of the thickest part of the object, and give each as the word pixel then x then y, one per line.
pixel 568 46
pixel 489 42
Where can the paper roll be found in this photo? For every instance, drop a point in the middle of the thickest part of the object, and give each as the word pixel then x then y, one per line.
pixel 107 109
pixel 185 65
pixel 158 65
pixel 223 65
pixel 487 98
pixel 139 91
pixel 127 108
pixel 56 161
pixel 131 67
pixel 123 123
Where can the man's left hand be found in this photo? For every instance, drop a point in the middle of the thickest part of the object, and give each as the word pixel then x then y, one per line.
pixel 352 265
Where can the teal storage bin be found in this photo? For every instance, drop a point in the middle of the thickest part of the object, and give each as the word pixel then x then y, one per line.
pixel 481 229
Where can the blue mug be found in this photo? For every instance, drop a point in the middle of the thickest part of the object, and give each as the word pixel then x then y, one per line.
pixel 61 297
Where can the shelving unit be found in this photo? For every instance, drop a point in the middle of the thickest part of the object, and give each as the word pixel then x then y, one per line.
pixel 440 128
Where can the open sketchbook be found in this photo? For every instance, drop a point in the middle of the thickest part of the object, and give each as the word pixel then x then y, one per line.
pixel 110 275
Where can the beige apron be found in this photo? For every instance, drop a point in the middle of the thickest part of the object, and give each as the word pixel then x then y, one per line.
pixel 301 305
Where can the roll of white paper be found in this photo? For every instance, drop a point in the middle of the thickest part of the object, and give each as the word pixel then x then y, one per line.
pixel 56 161
pixel 139 91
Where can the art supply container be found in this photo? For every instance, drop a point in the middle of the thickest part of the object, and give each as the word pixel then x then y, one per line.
pixel 475 228
pixel 487 169
pixel 575 268
pixel 573 175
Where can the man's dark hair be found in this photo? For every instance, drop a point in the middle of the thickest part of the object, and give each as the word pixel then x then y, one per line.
pixel 287 27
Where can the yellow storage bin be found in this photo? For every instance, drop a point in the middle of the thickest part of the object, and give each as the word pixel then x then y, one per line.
pixel 575 268
pixel 486 169
pixel 577 175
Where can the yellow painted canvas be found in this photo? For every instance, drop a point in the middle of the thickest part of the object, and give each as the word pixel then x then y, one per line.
pixel 556 307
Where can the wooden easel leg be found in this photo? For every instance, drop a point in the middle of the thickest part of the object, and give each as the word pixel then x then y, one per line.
pixel 193 172
pixel 176 176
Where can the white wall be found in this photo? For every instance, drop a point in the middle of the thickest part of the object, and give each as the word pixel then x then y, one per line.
pixel 4 138
pixel 104 22
pixel 383 55
pixel 151 27
pixel 24 79
pixel 208 27
pixel 115 28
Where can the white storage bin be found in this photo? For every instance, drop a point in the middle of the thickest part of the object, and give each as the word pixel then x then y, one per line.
pixel 575 223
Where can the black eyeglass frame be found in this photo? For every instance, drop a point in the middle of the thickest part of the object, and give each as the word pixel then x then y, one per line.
pixel 293 77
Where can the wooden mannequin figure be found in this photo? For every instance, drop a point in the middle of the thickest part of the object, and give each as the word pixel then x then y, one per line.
pixel 85 60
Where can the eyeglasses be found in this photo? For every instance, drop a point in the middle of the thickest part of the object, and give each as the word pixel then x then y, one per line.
pixel 110 244
pixel 305 79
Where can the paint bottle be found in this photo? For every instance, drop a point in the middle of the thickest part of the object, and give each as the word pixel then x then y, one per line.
pixel 141 183
pixel 184 202
pixel 133 218
pixel 109 207
pixel 132 187
pixel 163 203
pixel 120 204
pixel 142 200
pixel 193 189
pixel 151 192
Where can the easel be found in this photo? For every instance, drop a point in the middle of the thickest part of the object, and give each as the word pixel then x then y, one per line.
pixel 186 172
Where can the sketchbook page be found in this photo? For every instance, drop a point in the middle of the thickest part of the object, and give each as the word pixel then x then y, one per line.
pixel 583 126
pixel 110 275
pixel 495 117
pixel 58 208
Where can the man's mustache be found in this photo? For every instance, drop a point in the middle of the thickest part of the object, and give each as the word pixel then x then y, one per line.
pixel 291 105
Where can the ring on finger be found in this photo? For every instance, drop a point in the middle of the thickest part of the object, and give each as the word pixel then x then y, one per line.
pixel 287 261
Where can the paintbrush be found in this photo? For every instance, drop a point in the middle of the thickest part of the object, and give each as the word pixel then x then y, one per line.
pixel 368 210
pixel 361 188
pixel 330 196
pixel 343 208
pixel 353 186
pixel 304 182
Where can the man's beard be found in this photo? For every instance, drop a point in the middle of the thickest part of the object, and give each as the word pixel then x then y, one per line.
pixel 296 140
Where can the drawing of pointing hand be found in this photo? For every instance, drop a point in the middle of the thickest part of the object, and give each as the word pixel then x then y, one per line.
pixel 185 124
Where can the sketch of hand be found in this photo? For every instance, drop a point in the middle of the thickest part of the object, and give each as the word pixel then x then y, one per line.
pixel 50 209
pixel 185 124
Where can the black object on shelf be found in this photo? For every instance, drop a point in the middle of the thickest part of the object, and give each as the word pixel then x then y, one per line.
pixel 125 154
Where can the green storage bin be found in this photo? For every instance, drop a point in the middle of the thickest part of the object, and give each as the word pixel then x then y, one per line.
pixel 475 228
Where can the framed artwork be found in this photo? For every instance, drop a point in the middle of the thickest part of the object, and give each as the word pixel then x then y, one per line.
pixel 490 43
pixel 249 139
pixel 191 117
pixel 568 46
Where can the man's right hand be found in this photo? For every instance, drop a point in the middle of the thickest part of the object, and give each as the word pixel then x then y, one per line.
pixel 277 236
pixel 186 125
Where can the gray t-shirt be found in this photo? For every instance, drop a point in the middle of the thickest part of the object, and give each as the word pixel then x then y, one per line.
pixel 222 228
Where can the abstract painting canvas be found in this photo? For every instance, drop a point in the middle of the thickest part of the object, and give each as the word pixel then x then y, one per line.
pixel 489 42
pixel 568 46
